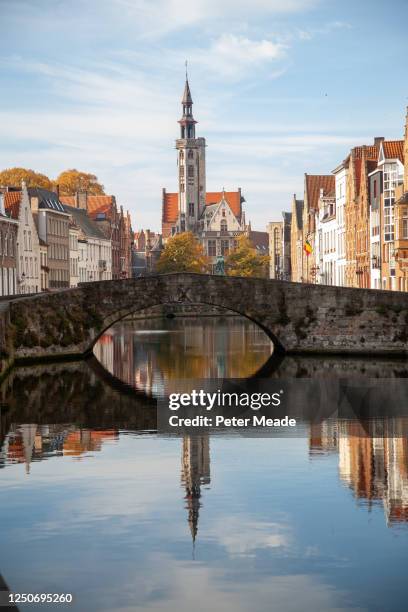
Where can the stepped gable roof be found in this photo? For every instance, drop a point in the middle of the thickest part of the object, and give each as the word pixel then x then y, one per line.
pixel 84 222
pixel 316 182
pixel 12 201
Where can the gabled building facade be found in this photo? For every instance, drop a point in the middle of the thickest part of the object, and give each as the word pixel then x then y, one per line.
pixel 18 207
pixel 8 252
pixel 316 186
pixel 296 240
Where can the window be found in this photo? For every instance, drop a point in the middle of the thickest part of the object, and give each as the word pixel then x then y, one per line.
pixel 223 226
pixel 181 156
pixel 191 209
pixel 405 223
pixel 212 248
pixel 190 171
pixel 191 154
pixel 224 247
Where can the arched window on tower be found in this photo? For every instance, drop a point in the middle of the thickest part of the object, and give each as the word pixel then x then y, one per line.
pixel 191 154
pixel 223 226
pixel 181 156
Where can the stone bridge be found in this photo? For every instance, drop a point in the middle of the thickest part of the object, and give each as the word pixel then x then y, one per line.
pixel 299 318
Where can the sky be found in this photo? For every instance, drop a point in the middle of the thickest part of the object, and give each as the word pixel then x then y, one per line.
pixel 280 88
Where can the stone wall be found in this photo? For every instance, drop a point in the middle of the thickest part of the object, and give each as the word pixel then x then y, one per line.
pixel 296 316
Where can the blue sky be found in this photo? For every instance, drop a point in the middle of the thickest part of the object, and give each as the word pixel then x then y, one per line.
pixel 281 87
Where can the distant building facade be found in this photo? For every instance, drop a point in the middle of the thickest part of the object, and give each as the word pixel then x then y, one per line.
pixel 8 252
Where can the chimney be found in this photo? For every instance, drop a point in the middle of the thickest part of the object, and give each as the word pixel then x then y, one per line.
pixel 82 200
pixel 57 189
pixel 378 140
pixel 34 204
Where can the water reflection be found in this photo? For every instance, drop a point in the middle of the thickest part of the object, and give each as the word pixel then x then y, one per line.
pixel 317 522
pixel 147 354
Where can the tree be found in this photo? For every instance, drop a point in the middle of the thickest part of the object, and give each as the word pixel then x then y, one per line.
pixel 182 253
pixel 245 261
pixel 71 181
pixel 12 177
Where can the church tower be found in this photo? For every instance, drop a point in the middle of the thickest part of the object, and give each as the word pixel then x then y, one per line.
pixel 191 168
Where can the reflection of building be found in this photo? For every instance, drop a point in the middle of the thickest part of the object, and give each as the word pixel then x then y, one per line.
pixel 373 460
pixel 195 471
pixel 31 442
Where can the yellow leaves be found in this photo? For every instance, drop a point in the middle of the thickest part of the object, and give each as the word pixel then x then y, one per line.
pixel 182 253
pixel 71 181
pixel 245 261
pixel 12 177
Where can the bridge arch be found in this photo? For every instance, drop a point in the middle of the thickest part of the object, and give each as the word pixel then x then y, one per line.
pixel 298 317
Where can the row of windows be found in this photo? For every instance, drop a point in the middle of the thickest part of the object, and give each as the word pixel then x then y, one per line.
pixel 220 247
pixel 58 251
pixel 29 267
pixel 7 243
pixel 58 227
pixel 59 276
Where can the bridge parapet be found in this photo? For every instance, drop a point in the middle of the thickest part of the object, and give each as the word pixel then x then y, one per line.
pixel 298 317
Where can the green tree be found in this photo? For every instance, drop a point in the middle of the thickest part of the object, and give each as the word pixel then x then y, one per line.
pixel 182 253
pixel 71 181
pixel 12 177
pixel 245 261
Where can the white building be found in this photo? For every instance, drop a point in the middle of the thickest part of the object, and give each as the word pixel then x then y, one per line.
pixel 98 248
pixel 326 246
pixel 340 174
pixel 82 257
pixel 17 205
pixel 73 255
pixel 375 183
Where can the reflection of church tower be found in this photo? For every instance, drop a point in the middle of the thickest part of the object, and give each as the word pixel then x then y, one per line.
pixel 28 433
pixel 195 471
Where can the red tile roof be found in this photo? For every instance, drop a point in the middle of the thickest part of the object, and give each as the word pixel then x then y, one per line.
pixel 170 208
pixel 316 182
pixel 394 149
pixel 170 203
pixel 68 200
pixel 233 198
pixel 100 204
pixel 370 152
pixel 12 201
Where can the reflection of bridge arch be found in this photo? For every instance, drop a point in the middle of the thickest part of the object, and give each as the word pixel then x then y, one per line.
pixel 297 317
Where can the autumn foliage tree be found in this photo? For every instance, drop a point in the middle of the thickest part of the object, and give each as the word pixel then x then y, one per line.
pixel 182 253
pixel 245 261
pixel 12 177
pixel 71 181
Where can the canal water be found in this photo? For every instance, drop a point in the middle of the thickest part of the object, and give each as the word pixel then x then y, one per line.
pixel 94 502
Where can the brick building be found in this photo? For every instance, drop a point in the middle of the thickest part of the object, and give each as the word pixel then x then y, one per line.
pixel 8 252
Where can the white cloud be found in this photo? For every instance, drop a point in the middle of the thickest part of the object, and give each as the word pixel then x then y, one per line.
pixel 161 16
pixel 232 56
